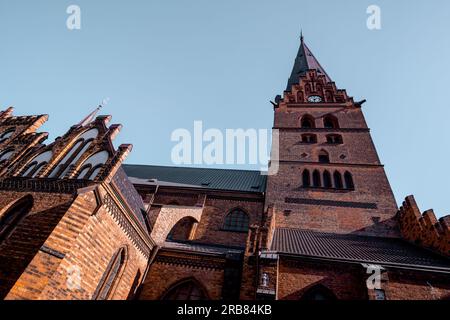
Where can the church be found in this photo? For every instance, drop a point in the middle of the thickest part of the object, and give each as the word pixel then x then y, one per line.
pixel 77 223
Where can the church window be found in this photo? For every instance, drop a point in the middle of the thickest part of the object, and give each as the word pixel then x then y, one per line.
pixel 13 216
pixel 237 220
pixel 309 138
pixel 307 122
pixel 306 178
pixel 349 181
pixel 319 293
pixel 338 180
pixel 105 288
pixel 186 290
pixel 330 122
pixel 327 179
pixel 334 139
pixel 316 179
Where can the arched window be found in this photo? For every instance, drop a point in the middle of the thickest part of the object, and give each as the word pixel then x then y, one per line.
pixel 324 157
pixel 334 139
pixel 7 134
pixel 330 122
pixel 307 122
pixel 317 181
pixel 186 290
pixel 317 293
pixel 349 181
pixel 12 217
pixel 105 288
pixel 327 179
pixel 309 138
pixel 338 180
pixel 237 220
pixel 306 178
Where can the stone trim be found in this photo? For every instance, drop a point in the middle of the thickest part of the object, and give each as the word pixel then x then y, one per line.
pixel 332 203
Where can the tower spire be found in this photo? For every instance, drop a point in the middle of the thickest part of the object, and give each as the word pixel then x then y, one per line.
pixel 304 61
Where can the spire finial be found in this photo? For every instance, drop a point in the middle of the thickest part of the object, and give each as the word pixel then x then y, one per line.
pixel 301 35
pixel 92 115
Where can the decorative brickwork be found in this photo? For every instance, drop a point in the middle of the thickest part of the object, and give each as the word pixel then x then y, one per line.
pixel 424 229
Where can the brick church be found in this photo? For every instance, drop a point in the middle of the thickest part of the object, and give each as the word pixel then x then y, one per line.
pixel 78 223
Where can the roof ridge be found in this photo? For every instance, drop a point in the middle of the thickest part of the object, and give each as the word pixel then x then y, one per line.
pixel 191 168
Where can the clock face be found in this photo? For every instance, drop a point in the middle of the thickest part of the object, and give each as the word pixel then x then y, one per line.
pixel 315 99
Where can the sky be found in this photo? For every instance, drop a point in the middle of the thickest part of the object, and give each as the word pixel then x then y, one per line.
pixel 165 64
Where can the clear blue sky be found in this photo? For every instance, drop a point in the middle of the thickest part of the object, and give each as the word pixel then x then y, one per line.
pixel 164 64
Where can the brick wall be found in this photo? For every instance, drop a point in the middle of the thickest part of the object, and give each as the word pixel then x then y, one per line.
pixel 409 285
pixel 20 248
pixel 295 278
pixel 61 236
pixel 424 229
pixel 162 277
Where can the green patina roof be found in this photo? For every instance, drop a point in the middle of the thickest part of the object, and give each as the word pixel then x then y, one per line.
pixel 216 179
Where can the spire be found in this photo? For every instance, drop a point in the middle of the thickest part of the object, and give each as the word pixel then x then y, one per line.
pixel 304 61
pixel 90 117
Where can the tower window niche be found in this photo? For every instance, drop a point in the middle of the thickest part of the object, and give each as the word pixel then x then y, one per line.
pixel 334 139
pixel 309 138
pixel 349 184
pixel 338 180
pixel 327 180
pixel 317 181
pixel 330 122
pixel 307 122
pixel 324 157
pixel 306 178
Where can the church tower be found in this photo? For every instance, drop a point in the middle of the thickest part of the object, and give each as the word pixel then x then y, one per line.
pixel 330 178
